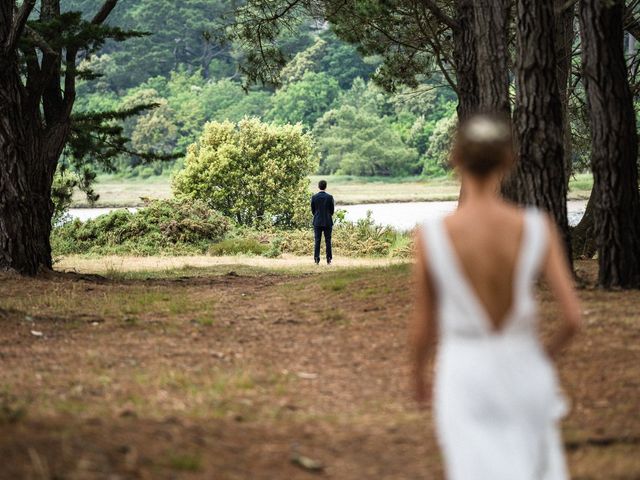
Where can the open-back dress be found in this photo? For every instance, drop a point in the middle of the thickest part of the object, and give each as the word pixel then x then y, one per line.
pixel 496 395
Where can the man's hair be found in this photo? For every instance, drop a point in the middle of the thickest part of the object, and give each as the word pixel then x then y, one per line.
pixel 322 184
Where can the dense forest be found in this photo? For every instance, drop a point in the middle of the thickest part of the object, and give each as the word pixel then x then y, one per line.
pixel 192 73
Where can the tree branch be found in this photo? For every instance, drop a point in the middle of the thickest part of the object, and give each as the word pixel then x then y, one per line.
pixel 632 23
pixel 70 79
pixel 19 22
pixel 36 78
pixel 440 14
pixel 278 15
pixel 39 41
pixel 104 12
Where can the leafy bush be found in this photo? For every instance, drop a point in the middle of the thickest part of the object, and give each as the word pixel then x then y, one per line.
pixel 163 226
pixel 253 172
pixel 65 182
pixel 305 100
pixel 239 246
pixel 362 238
pixel 436 158
pixel 172 227
pixel 275 248
pixel 358 142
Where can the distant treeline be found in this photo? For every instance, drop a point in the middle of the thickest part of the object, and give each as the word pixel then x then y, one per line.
pixel 192 74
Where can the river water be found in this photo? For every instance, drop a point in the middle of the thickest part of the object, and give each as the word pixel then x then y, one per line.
pixel 402 216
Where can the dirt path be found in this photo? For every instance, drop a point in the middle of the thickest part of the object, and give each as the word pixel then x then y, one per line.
pixel 216 375
pixel 286 263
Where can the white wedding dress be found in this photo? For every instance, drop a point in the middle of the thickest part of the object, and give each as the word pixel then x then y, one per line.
pixel 496 396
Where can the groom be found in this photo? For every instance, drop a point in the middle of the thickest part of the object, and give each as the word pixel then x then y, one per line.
pixel 322 206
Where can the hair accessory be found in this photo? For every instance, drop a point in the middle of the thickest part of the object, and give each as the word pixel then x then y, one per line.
pixel 484 130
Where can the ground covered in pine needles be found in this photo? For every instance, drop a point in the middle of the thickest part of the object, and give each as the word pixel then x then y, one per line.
pixel 238 372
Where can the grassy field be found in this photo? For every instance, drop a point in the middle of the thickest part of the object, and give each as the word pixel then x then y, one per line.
pixel 118 192
pixel 233 370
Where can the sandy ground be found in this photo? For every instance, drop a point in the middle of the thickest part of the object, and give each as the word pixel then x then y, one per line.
pixel 109 264
pixel 232 371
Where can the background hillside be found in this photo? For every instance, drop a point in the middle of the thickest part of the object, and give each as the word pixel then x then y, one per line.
pixel 186 67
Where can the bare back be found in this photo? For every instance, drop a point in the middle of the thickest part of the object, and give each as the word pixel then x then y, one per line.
pixel 487 243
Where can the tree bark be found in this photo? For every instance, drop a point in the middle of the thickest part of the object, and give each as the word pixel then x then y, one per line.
pixel 563 36
pixel 539 177
pixel 490 21
pixel 465 60
pixel 25 184
pixel 614 143
pixel 582 235
pixel 35 121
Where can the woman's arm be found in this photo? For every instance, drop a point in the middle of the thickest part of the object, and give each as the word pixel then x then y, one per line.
pixel 423 328
pixel 558 275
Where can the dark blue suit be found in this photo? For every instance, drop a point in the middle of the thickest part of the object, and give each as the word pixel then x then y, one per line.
pixel 322 207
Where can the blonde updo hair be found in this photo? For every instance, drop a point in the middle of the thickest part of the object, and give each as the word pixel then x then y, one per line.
pixel 483 145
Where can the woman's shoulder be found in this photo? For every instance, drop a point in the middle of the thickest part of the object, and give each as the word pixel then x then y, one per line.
pixel 519 213
pixel 535 223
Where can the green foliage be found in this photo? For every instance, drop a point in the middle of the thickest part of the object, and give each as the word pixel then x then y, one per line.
pixel 191 102
pixel 192 73
pixel 96 140
pixel 407 41
pixel 189 227
pixel 366 96
pixel 61 195
pixel 264 47
pixel 306 61
pixel 436 158
pixel 162 227
pixel 354 239
pixel 337 59
pixel 429 100
pixel 305 100
pixel 343 62
pixel 156 132
pixel 356 142
pixel 64 184
pixel 418 136
pixel 95 137
pixel 253 172
pixel 182 34
pixel 227 100
pixel 275 248
pixel 238 246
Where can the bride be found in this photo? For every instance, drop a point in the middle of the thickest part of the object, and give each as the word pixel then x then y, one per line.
pixel 496 395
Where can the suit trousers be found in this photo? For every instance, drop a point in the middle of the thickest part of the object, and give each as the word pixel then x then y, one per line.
pixel 318 231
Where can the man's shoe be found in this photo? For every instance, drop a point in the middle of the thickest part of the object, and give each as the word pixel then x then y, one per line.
pixel 317 260
pixel 328 261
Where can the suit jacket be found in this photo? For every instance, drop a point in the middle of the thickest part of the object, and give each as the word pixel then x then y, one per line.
pixel 322 207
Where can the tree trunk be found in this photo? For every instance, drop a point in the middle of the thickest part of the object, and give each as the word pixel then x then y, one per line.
pixel 25 185
pixel 539 177
pixel 490 21
pixel 37 92
pixel 614 143
pixel 582 236
pixel 563 37
pixel 465 60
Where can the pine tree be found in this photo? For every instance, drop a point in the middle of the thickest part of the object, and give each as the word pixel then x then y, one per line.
pixel 40 50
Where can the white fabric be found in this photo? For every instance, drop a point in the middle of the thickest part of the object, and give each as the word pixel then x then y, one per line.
pixel 496 396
